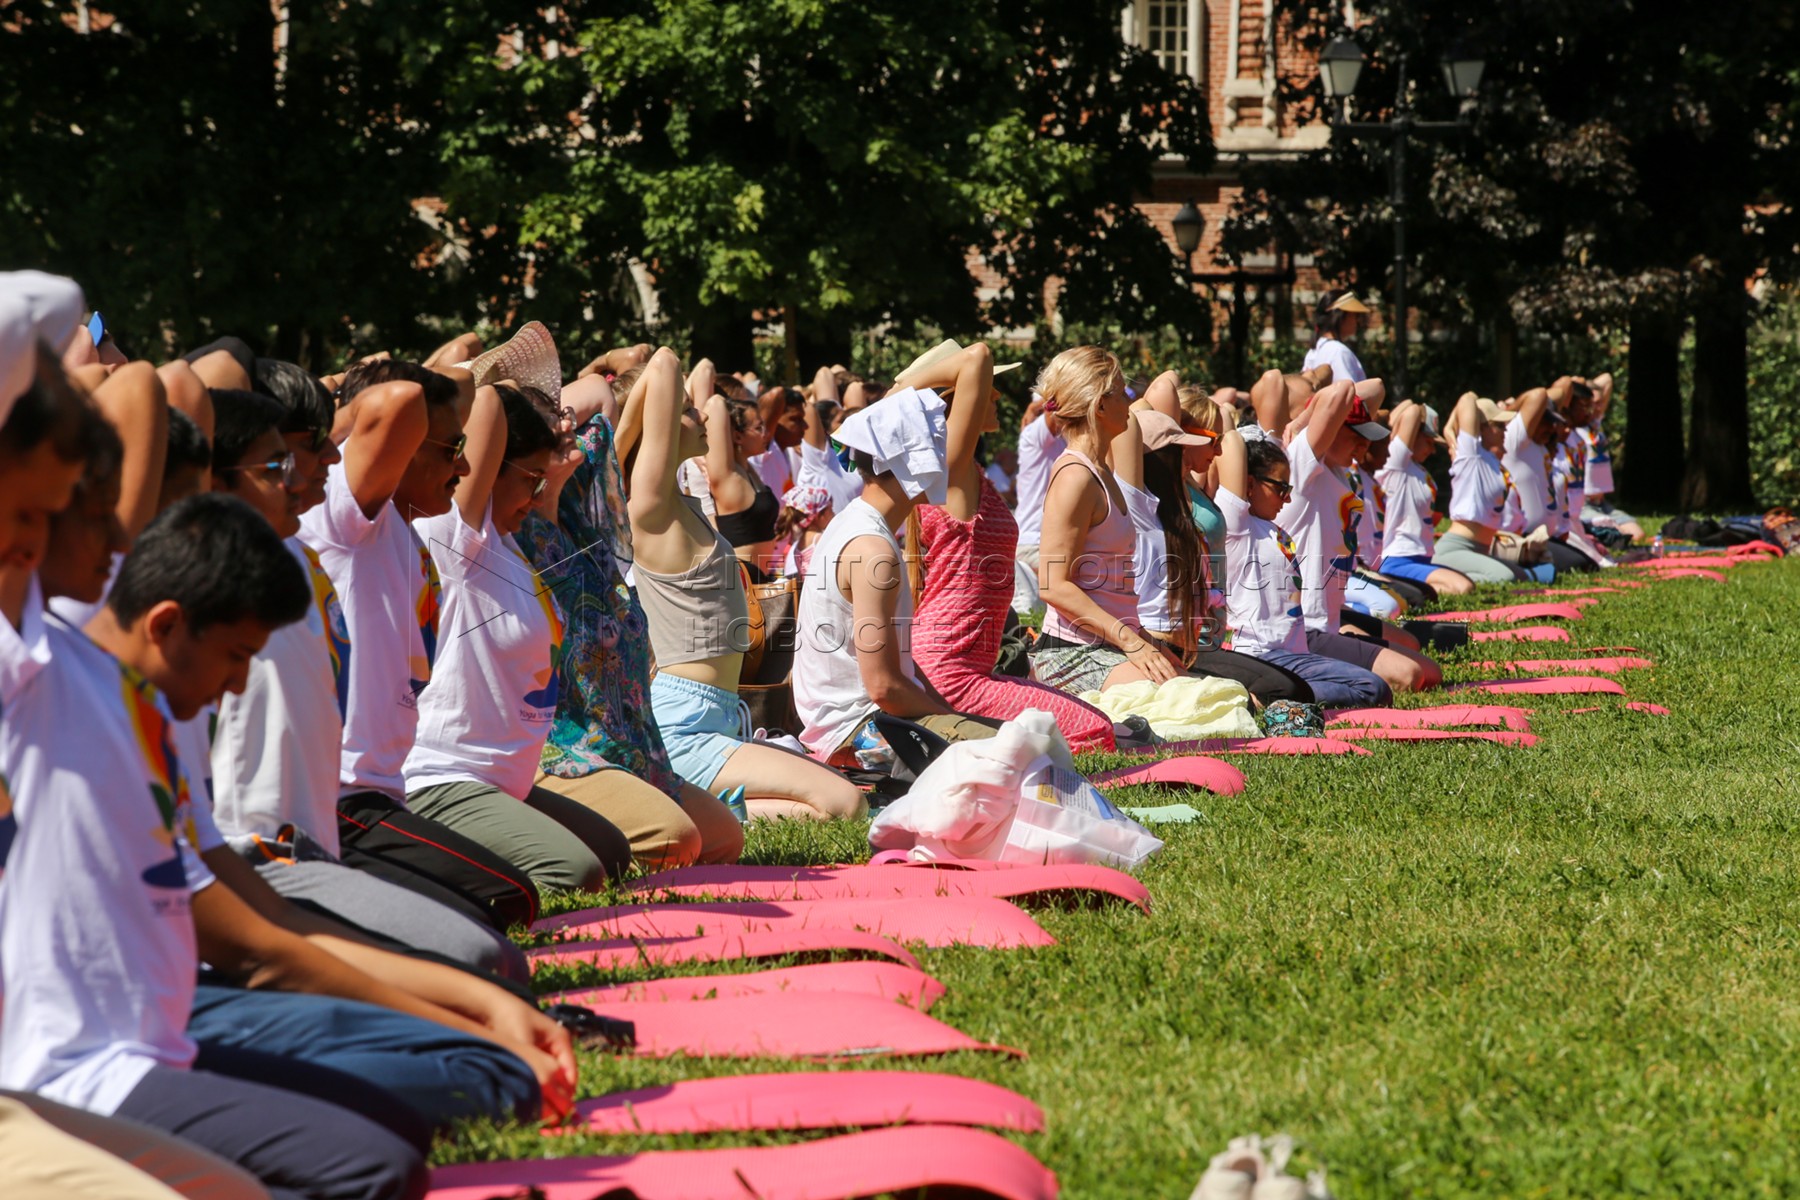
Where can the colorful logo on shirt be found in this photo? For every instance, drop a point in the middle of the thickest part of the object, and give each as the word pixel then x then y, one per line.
pixel 337 629
pixel 1506 480
pixel 431 591
pixel 543 697
pixel 168 786
pixel 1350 509
pixel 1286 545
pixel 9 825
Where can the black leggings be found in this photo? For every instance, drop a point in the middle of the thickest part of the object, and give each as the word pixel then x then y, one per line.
pixel 1566 558
pixel 420 855
pixel 1263 680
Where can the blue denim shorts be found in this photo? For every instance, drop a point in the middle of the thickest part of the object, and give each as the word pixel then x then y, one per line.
pixel 701 726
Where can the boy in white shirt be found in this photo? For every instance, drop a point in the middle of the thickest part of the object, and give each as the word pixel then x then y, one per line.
pixel 401 435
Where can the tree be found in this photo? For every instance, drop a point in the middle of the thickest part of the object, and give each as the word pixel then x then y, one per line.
pixel 1627 163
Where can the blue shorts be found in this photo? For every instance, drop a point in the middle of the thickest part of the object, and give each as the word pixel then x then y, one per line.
pixel 1370 598
pixel 1414 567
pixel 701 726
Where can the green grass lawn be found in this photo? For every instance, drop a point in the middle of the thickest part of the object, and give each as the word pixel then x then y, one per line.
pixel 1447 970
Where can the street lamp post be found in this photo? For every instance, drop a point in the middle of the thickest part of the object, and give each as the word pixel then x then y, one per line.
pixel 1188 225
pixel 1340 66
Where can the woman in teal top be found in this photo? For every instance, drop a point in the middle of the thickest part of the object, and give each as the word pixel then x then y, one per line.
pixel 1200 415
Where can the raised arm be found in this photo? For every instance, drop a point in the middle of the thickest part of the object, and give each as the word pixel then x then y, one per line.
pixel 824 388
pixel 1464 418
pixel 659 403
pixel 1603 390
pixel 388 425
pixel 133 400
pixel 1403 423
pixel 460 349
pixel 486 431
pixel 1128 448
pixel 1233 465
pixel 970 372
pixel 731 492
pixel 702 383
pixel 589 396
pixel 1329 408
pixel 1532 407
pixel 1164 395
pixel 1268 400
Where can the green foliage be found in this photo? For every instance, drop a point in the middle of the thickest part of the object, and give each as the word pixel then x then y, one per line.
pixel 1449 970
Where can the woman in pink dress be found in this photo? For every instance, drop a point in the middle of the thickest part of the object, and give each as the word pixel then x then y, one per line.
pixel 968 546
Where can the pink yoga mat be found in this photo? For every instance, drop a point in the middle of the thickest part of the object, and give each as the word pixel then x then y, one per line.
pixel 1655 710
pixel 1692 573
pixel 1598 666
pixel 860 1164
pixel 815 1100
pixel 1757 549
pixel 890 981
pixel 1190 770
pixel 1505 737
pixel 1562 685
pixel 1524 633
pixel 1581 591
pixel 1515 612
pixel 721 947
pixel 1267 745
pixel 795 1025
pixel 932 920
pixel 1443 716
pixel 893 882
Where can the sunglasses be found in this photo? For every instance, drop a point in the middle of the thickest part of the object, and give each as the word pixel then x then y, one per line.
pixel 1284 490
pixel 280 468
pixel 539 480
pixel 454 449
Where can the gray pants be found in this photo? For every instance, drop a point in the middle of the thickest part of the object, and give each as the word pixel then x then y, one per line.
pixel 562 845
pixel 1460 554
pixel 383 908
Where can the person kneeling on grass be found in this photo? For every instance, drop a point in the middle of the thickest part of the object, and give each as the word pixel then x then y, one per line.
pixel 1321 516
pixel 856 608
pixel 485 714
pixel 463 1058
pixel 692 590
pixel 1263 580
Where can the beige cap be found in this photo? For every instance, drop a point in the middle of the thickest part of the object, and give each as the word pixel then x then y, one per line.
pixel 1493 412
pixel 1160 429
pixel 940 352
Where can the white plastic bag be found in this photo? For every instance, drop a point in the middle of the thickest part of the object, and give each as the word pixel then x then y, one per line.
pixel 1014 797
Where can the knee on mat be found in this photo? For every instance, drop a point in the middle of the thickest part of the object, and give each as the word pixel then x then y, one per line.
pixel 1451 583
pixel 727 847
pixel 1411 674
pixel 676 843
pixel 843 799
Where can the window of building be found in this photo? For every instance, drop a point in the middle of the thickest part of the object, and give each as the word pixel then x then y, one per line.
pixel 1165 33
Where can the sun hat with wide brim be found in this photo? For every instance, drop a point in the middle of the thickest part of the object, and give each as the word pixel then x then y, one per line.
pixel 1159 430
pixel 1347 303
pixel 939 353
pixel 528 357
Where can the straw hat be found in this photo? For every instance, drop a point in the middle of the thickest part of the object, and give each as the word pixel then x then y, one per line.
pixel 939 353
pixel 528 357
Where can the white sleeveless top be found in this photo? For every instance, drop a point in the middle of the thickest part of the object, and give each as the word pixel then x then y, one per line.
pixel 828 689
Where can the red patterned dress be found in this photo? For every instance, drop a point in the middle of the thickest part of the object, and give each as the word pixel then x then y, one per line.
pixel 961 616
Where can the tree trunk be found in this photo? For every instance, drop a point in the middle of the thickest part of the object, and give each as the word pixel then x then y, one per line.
pixel 1718 462
pixel 1651 463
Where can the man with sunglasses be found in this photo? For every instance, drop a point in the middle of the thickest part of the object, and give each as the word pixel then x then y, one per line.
pixel 401 426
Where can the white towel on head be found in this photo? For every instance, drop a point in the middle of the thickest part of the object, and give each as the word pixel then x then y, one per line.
pixel 904 434
pixel 34 307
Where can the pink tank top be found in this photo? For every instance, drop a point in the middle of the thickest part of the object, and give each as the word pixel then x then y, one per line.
pixel 1103 569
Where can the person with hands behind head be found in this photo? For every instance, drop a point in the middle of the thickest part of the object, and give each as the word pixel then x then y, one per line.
pixel 604 750
pixel 484 716
pixel 1321 516
pixel 969 545
pixel 1479 488
pixel 745 509
pixel 692 590
pixel 1262 577
pixel 819 464
pixel 1150 460
pixel 1410 537
pixel 402 456
pixel 1091 637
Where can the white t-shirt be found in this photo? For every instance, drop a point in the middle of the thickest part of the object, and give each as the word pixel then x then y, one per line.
pixel 819 467
pixel 1527 463
pixel 1150 563
pixel 23 651
pixel 389 609
pixel 774 469
pixel 1343 361
pixel 1408 530
pixel 1599 459
pixel 493 689
pixel 1262 581
pixel 1038 451
pixel 1572 478
pixel 1478 484
pixel 275 749
pixel 1321 517
pixel 1371 518
pixel 97 944
pixel 829 693
pixel 999 478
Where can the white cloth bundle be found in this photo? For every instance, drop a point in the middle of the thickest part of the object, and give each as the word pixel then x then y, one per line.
pixel 904 434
